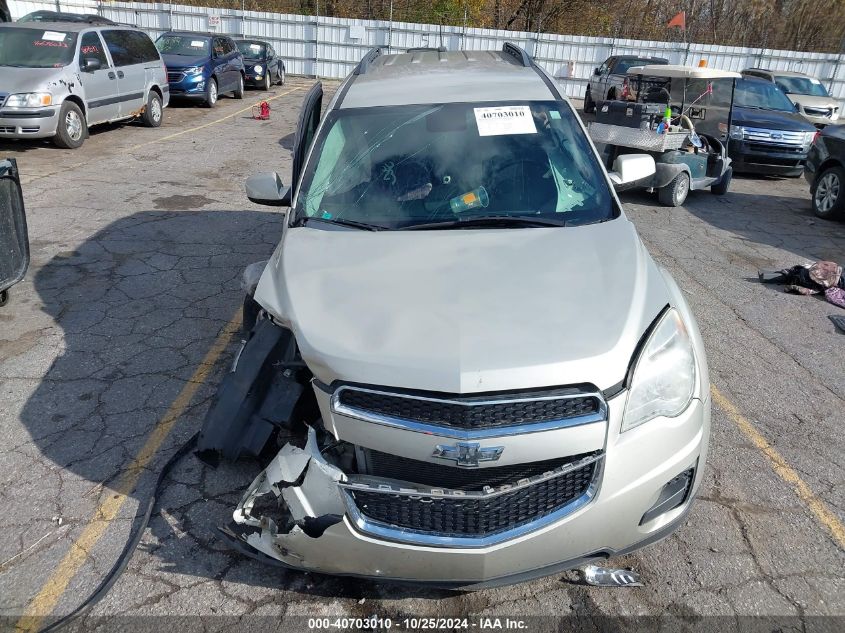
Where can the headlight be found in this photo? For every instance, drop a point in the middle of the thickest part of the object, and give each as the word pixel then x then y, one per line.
pixel 258 68
pixel 196 70
pixel 737 132
pixel 809 137
pixel 664 374
pixel 29 100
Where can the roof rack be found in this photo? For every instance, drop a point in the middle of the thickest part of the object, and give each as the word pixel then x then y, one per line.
pixel 424 49
pixel 364 65
pixel 518 53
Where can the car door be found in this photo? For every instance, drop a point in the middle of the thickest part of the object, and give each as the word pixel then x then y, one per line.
pixel 14 242
pixel 306 129
pixel 604 78
pixel 130 52
pixel 222 65
pixel 101 85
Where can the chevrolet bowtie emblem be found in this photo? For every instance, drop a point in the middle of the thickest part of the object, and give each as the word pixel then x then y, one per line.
pixel 468 454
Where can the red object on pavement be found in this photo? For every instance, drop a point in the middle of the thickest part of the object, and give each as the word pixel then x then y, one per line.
pixel 261 112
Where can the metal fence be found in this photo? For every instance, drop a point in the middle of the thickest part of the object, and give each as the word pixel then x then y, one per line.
pixel 330 47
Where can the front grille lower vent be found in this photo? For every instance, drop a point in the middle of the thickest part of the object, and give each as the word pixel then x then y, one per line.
pixel 474 516
pixel 472 413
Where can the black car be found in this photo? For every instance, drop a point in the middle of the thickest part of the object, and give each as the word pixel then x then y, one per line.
pixel 61 16
pixel 767 135
pixel 263 66
pixel 825 171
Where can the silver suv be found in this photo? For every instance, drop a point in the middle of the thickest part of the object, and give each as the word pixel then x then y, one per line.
pixel 58 79
pixel 475 371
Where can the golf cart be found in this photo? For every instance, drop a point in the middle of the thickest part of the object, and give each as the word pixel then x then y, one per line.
pixel 680 115
pixel 14 243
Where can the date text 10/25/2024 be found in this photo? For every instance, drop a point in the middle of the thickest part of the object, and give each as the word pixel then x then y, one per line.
pixel 376 623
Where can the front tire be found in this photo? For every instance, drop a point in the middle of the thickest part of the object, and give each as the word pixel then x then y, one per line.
pixel 829 194
pixel 282 77
pixel 721 188
pixel 675 193
pixel 267 81
pixel 72 129
pixel 239 91
pixel 589 104
pixel 154 112
pixel 211 93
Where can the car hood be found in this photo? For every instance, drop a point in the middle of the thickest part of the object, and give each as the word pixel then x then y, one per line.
pixel 770 119
pixel 178 62
pixel 466 311
pixel 14 80
pixel 813 101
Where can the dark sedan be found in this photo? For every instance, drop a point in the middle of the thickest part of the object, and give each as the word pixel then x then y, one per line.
pixel 825 171
pixel 263 66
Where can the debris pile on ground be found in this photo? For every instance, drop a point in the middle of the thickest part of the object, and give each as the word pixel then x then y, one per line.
pixel 816 278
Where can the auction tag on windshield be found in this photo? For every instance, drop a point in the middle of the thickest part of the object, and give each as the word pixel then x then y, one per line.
pixel 54 36
pixel 502 120
pixel 815 81
pixel 255 47
pixel 197 43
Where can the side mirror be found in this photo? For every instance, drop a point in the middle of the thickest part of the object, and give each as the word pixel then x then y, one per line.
pixel 268 189
pixel 630 168
pixel 14 242
pixel 90 64
pixel 597 72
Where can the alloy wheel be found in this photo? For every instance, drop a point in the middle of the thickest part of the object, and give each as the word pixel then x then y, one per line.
pixel 73 125
pixel 212 92
pixel 155 110
pixel 827 192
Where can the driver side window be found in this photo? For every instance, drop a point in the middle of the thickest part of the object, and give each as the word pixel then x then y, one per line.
pixel 90 47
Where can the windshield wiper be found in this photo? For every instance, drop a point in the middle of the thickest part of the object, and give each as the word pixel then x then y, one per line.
pixel 343 222
pixel 489 220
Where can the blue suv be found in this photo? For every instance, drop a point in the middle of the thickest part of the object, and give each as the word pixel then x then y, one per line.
pixel 202 66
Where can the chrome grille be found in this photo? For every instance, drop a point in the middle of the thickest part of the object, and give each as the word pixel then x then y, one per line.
pixel 826 112
pixel 418 514
pixel 472 415
pixel 774 137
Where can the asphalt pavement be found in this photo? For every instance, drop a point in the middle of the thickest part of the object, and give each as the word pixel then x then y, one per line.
pixel 112 347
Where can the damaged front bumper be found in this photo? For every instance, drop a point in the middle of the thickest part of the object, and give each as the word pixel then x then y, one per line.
pixel 301 512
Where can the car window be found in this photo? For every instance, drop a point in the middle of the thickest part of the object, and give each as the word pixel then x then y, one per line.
pixel 130 47
pixel 36 48
pixel 250 49
pixel 186 45
pixel 91 47
pixel 406 165
pixel 801 85
pixel 761 94
pixel 624 64
pixel 219 46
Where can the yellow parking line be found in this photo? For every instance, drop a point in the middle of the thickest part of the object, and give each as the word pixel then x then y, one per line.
pixel 783 469
pixel 46 600
pixel 209 124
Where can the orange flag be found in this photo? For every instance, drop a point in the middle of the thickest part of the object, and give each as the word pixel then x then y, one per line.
pixel 680 20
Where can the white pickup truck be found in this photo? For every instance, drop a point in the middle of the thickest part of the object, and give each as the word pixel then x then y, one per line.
pixel 608 80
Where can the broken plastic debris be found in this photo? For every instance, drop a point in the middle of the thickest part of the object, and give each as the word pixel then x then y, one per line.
pixel 610 577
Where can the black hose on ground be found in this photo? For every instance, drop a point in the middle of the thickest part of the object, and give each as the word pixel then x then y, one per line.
pixel 129 548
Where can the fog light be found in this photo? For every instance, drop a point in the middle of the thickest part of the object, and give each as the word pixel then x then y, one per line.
pixel 201 85
pixel 673 495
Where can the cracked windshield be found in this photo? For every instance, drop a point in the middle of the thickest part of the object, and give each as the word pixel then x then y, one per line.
pixel 441 165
